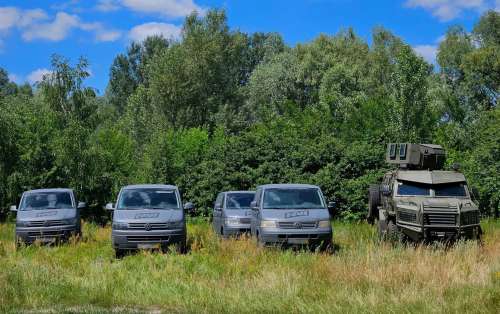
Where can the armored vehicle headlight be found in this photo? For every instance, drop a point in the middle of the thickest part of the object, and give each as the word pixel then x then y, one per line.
pixel 268 224
pixel 120 225
pixel 324 224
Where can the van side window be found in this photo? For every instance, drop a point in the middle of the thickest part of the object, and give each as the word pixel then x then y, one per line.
pixel 219 201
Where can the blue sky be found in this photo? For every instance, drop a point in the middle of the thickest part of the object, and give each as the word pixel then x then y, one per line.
pixel 31 31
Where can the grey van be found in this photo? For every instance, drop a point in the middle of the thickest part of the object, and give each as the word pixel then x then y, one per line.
pixel 148 216
pixel 232 213
pixel 47 216
pixel 291 214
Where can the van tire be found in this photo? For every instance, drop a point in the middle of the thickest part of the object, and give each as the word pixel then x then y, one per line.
pixel 119 254
pixel 181 247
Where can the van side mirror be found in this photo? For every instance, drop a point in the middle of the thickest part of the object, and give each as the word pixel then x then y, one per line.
pixel 253 205
pixel 332 208
pixel 189 207
pixel 13 208
pixel 110 206
pixel 81 205
pixel 218 206
pixel 385 189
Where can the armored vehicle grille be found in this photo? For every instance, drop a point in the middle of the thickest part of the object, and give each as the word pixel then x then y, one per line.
pixel 147 238
pixel 245 220
pixel 46 223
pixel 469 218
pixel 297 225
pixel 150 226
pixel 440 218
pixel 407 216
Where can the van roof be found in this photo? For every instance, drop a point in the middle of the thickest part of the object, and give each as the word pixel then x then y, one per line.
pixel 49 190
pixel 288 185
pixel 150 186
pixel 229 192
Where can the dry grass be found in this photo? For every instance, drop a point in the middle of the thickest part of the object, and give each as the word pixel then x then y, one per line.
pixel 236 276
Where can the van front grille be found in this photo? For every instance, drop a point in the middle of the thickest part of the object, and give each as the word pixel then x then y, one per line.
pixel 245 220
pixel 41 234
pixel 297 225
pixel 148 226
pixel 46 223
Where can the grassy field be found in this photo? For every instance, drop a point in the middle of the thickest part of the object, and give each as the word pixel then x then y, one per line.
pixel 231 276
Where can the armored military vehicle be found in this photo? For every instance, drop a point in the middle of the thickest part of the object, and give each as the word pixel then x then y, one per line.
pixel 421 202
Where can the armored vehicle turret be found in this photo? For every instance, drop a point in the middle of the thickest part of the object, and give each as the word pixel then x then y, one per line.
pixel 418 200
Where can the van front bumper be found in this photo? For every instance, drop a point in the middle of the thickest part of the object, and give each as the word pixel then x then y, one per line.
pixel 29 235
pixel 295 236
pixel 136 239
pixel 235 230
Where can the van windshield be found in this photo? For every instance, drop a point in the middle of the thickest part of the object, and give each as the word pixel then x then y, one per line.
pixel 46 200
pixel 239 200
pixel 292 198
pixel 148 199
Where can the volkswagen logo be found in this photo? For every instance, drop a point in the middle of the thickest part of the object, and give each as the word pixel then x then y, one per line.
pixel 147 227
pixel 46 223
pixel 297 225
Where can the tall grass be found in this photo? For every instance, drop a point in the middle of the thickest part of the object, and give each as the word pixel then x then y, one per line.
pixel 230 276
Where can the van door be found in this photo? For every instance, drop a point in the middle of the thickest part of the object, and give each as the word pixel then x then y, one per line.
pixel 217 213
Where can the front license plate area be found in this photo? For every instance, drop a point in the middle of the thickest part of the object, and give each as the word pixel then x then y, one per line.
pixel 148 245
pixel 298 241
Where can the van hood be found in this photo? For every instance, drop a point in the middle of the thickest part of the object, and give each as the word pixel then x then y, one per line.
pixel 296 214
pixel 46 214
pixel 148 215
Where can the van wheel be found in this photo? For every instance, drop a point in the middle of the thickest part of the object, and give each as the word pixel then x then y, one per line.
pixel 119 254
pixel 181 247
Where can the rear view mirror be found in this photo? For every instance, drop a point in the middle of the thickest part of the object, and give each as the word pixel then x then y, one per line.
pixel 189 207
pixel 253 205
pixel 13 208
pixel 81 205
pixel 110 206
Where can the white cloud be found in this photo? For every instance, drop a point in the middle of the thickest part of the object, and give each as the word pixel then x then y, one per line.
pixel 14 78
pixel 167 8
pixel 140 32
pixel 107 6
pixel 53 31
pixel 37 75
pixel 446 10
pixel 108 35
pixel 428 52
pixel 9 16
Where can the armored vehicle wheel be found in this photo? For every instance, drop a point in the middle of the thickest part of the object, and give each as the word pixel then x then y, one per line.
pixel 373 203
pixel 393 234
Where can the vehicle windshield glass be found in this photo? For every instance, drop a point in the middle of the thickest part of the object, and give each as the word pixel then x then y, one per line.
pixel 406 188
pixel 46 200
pixel 452 189
pixel 239 200
pixel 148 199
pixel 293 198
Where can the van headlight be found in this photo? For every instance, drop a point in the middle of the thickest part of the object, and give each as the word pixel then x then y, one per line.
pixel 71 221
pixel 268 224
pixel 176 224
pixel 22 223
pixel 324 224
pixel 120 225
pixel 232 221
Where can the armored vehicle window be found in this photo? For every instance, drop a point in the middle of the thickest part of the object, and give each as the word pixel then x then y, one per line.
pixel 239 200
pixel 406 188
pixel 148 199
pixel 295 198
pixel 452 189
pixel 46 200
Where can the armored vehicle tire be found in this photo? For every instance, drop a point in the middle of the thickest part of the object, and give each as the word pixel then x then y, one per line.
pixel 373 203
